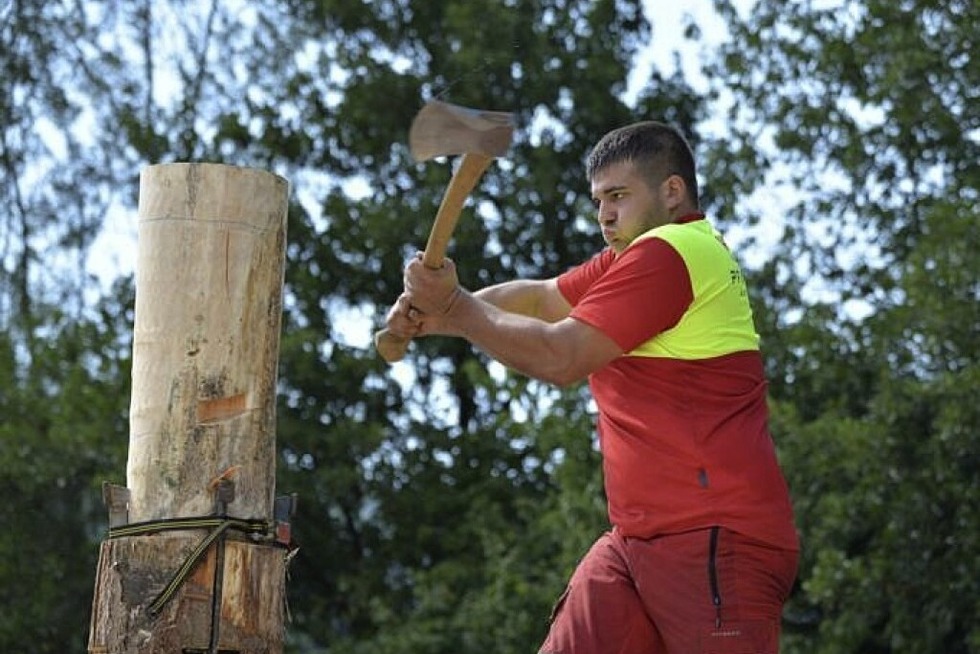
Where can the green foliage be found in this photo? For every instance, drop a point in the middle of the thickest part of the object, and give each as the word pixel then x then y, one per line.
pixel 869 307
pixel 888 507
pixel 444 503
pixel 63 405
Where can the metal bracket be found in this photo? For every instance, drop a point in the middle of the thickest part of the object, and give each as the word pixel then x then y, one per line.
pixel 283 511
pixel 224 494
pixel 116 499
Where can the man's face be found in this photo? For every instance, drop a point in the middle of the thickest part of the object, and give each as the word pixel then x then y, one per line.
pixel 626 204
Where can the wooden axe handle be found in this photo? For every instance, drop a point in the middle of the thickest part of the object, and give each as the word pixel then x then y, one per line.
pixel 470 169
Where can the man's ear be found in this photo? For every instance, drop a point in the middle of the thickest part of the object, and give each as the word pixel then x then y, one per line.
pixel 675 191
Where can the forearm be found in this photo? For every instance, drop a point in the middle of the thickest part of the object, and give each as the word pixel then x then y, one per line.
pixel 551 352
pixel 522 324
pixel 535 298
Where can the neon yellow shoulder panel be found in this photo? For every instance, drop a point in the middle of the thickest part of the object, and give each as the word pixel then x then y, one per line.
pixel 719 320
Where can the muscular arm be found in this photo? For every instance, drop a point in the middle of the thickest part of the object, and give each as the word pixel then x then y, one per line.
pixel 562 352
pixel 522 324
pixel 535 298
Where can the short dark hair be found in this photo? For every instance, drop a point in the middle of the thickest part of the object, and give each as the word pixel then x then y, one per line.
pixel 658 149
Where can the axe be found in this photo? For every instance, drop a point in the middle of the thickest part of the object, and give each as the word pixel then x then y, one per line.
pixel 441 129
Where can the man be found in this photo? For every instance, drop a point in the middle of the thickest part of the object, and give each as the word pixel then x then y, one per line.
pixel 702 553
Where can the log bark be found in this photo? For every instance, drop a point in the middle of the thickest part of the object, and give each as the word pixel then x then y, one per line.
pixel 132 570
pixel 209 276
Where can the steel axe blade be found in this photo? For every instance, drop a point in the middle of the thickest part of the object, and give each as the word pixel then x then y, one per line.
pixel 441 129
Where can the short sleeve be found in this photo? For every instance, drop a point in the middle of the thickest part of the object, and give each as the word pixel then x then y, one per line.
pixel 643 292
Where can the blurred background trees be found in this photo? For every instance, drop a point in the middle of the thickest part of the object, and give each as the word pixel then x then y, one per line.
pixel 443 502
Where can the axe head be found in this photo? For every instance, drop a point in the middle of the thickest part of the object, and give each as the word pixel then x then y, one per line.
pixel 441 129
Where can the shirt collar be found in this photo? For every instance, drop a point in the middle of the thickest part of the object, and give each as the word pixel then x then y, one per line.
pixel 690 218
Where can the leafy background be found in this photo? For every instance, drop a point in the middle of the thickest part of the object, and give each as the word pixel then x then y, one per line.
pixel 442 507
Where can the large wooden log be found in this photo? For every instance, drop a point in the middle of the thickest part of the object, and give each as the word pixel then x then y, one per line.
pixel 209 277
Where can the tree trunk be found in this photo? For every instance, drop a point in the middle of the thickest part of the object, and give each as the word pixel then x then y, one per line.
pixel 209 277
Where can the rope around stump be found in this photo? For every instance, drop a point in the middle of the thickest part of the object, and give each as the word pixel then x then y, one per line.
pixel 218 526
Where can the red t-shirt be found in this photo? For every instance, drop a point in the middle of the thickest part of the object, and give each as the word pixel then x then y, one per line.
pixel 685 443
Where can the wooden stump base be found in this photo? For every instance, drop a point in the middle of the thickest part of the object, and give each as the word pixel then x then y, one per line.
pixel 133 570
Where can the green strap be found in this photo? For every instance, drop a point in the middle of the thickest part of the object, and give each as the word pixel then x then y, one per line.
pixel 179 524
pixel 218 526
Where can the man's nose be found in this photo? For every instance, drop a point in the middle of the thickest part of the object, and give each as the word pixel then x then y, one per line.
pixel 605 213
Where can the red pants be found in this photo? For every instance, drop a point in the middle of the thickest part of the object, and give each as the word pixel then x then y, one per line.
pixel 710 591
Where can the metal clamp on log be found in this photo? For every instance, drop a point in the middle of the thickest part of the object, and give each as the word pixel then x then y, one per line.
pixel 278 532
pixel 283 511
pixel 116 499
pixel 224 494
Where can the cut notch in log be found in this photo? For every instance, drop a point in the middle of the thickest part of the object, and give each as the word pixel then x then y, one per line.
pixel 222 408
